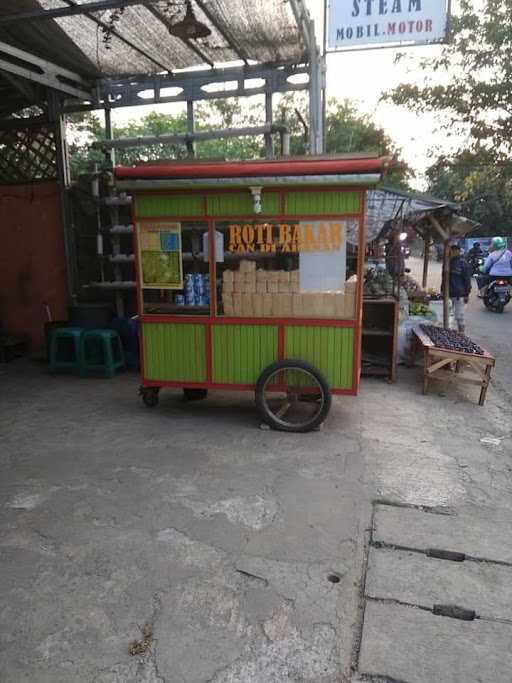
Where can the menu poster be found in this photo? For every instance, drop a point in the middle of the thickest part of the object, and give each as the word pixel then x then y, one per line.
pixel 160 257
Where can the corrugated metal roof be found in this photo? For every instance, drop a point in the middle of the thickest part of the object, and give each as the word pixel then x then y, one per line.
pixel 261 30
pixel 387 204
pixel 44 39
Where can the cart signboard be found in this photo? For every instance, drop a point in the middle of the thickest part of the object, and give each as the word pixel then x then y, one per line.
pixel 354 24
pixel 160 255
pixel 286 237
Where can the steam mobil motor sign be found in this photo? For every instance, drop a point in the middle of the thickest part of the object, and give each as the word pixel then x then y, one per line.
pixel 360 23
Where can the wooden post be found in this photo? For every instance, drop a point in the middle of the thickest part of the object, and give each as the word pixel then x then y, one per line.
pixel 426 256
pixel 446 285
pixel 446 235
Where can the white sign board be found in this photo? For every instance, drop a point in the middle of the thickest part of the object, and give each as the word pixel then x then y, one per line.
pixel 323 271
pixel 363 23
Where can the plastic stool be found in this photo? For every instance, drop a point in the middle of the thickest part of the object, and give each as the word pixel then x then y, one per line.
pixel 65 349
pixel 101 351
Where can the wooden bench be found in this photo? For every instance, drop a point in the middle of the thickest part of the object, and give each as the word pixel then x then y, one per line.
pixel 438 362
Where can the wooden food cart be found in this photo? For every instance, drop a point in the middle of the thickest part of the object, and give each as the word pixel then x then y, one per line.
pixel 249 276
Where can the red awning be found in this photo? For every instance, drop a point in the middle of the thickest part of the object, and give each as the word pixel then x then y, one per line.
pixel 244 169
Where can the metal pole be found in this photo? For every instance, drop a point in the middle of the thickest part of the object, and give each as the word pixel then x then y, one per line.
pixel 285 144
pixel 114 218
pixel 324 75
pixel 315 95
pixel 109 135
pixel 183 138
pixel 313 76
pixel 269 152
pixel 191 152
pixel 64 181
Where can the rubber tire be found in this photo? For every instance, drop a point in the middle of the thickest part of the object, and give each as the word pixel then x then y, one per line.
pixel 268 418
pixel 499 308
pixel 150 397
pixel 193 394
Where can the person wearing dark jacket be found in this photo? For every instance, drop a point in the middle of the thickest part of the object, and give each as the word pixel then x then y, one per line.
pixel 395 263
pixel 460 285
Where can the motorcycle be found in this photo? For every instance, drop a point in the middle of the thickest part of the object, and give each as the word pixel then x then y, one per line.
pixel 476 264
pixel 497 295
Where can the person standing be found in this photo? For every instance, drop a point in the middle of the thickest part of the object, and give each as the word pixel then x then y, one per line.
pixel 395 262
pixel 459 285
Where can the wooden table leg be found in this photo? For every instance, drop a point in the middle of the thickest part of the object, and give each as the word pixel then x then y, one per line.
pixel 413 352
pixel 425 372
pixel 485 385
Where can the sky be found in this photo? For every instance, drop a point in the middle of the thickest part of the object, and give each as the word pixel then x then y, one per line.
pixel 362 77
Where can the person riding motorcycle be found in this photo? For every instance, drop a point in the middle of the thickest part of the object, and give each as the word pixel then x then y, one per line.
pixel 475 252
pixel 475 257
pixel 497 264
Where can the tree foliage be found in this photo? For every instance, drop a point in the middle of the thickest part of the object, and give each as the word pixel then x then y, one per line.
pixel 482 186
pixel 347 131
pixel 470 85
pixel 471 81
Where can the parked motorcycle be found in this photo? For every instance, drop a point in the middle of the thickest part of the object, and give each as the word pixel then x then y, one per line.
pixel 497 295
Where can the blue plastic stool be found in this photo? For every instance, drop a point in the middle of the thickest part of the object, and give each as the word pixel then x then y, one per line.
pixel 65 349
pixel 101 351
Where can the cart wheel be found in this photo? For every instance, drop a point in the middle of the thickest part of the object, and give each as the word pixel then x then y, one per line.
pixel 149 396
pixel 292 396
pixel 191 394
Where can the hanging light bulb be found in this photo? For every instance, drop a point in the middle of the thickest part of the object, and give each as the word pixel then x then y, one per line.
pixel 189 28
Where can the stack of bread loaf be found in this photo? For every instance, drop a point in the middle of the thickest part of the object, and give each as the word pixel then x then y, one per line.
pixel 253 293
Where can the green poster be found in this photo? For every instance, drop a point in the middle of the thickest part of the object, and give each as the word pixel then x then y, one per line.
pixel 160 256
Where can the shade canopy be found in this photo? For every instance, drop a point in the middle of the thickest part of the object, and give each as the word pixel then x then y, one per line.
pixel 133 38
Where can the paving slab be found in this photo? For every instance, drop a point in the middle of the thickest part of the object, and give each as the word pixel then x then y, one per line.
pixel 420 580
pixel 412 528
pixel 411 645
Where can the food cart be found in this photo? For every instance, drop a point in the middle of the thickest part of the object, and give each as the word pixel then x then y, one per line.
pixel 249 277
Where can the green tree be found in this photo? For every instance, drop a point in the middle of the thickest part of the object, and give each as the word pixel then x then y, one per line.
pixel 347 131
pixel 470 82
pixel 224 114
pixel 82 130
pixel 483 187
pixel 470 85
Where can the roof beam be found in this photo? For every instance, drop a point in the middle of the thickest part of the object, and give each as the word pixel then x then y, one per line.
pixel 97 6
pixel 190 86
pixel 302 18
pixel 229 40
pixel 37 70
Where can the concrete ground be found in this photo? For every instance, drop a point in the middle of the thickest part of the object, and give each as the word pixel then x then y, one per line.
pixel 251 555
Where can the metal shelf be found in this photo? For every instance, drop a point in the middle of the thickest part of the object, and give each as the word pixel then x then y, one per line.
pixel 369 332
